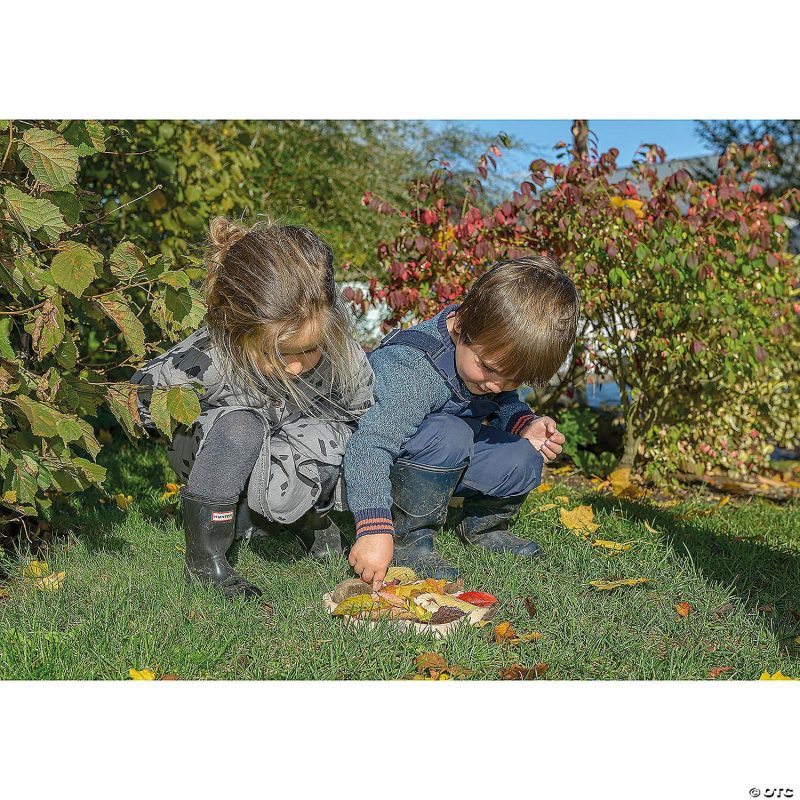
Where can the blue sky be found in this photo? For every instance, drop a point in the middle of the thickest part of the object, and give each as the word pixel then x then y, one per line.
pixel 676 136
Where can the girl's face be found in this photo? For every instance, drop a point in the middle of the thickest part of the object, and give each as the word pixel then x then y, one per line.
pixel 302 352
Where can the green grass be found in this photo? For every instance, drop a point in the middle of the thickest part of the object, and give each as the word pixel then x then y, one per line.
pixel 124 602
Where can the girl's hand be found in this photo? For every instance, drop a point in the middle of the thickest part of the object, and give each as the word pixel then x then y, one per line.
pixel 370 557
pixel 545 437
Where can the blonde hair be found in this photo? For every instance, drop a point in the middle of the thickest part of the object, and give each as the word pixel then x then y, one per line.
pixel 264 285
pixel 525 313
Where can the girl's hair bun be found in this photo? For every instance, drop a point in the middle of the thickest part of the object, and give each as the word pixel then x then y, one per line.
pixel 222 235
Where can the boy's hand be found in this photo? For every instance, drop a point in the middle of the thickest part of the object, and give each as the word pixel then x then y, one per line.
pixel 544 436
pixel 370 557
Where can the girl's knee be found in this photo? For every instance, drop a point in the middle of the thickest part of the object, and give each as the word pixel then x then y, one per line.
pixel 237 429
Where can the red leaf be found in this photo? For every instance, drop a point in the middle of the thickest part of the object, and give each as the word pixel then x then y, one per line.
pixel 717 671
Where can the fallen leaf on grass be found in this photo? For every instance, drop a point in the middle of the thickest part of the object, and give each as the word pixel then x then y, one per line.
pixel 608 585
pixel 4 593
pixel 516 672
pixel 766 609
pixel 796 614
pixel 437 668
pixel 505 634
pixel 617 546
pixel 545 507
pixel 725 609
pixel 776 676
pixel 717 671
pixel 543 487
pixel 141 674
pixel 579 520
pixel 169 678
pixel 50 583
pixel 668 503
pixel 36 569
pixel 567 469
pixel 649 527
pixel 530 607
pixel 797 640
pixel 683 609
pixel 124 502
pixel 562 498
pixel 171 490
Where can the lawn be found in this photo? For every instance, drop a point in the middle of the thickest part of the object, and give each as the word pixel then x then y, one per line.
pixel 124 604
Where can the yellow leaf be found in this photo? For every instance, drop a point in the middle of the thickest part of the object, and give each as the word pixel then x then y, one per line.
pixel 579 520
pixel 776 676
pixel 527 637
pixel 172 490
pixel 543 487
pixel 650 528
pixel 352 606
pixel 433 600
pixel 611 545
pixel 561 498
pixel 724 500
pixel 668 503
pixel 402 574
pixel 607 585
pixel 123 502
pixel 797 640
pixel 4 593
pixel 10 496
pixel 50 583
pixel 430 661
pixel 36 569
pixel 546 507
pixel 620 478
pixel 142 674
pixel 504 632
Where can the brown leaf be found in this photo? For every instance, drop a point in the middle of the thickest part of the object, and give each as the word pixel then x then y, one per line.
pixel 446 614
pixel 683 609
pixel 766 609
pixel 530 607
pixel 796 614
pixel 517 672
pixel 169 678
pixel 455 587
pixel 430 661
pixel 460 672
pixel 717 671
pixel 725 609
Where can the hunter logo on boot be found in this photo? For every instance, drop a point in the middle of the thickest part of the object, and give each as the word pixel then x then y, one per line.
pixel 221 516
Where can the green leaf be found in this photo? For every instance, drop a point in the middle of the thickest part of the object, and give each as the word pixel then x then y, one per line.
pixel 43 419
pixel 90 442
pixel 6 350
pixel 67 354
pixel 176 279
pixel 178 303
pixel 35 214
pixel 116 307
pixel 159 412
pixel 68 205
pixel 94 472
pixel 74 269
pixel 183 405
pixel 122 404
pixel 127 260
pixel 68 429
pixel 88 136
pixel 50 157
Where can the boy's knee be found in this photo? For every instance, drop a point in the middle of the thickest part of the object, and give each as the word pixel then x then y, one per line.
pixel 442 440
pixel 524 469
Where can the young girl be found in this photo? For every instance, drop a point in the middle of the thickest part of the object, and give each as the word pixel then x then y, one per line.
pixel 284 382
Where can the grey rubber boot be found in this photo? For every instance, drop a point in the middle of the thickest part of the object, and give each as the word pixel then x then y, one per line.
pixel 484 523
pixel 210 529
pixel 319 534
pixel 421 495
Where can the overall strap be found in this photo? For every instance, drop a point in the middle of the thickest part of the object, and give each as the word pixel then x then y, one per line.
pixel 427 343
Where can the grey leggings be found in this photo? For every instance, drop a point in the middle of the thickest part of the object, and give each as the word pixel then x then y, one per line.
pixel 223 466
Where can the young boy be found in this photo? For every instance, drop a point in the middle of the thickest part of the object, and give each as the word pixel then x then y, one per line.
pixel 425 439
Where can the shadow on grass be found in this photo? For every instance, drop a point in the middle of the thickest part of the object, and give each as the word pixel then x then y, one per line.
pixel 764 578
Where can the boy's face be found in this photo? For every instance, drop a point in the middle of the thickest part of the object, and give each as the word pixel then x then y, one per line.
pixel 476 368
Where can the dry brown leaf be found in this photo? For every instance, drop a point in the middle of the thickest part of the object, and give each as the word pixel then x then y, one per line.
pixel 530 607
pixel 517 672
pixel 717 671
pixel 725 609
pixel 579 520
pixel 430 661
pixel 683 609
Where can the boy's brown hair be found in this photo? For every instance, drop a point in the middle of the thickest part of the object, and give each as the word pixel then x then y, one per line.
pixel 524 314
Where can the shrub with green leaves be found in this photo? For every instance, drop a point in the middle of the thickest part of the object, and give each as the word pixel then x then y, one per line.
pixel 74 318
